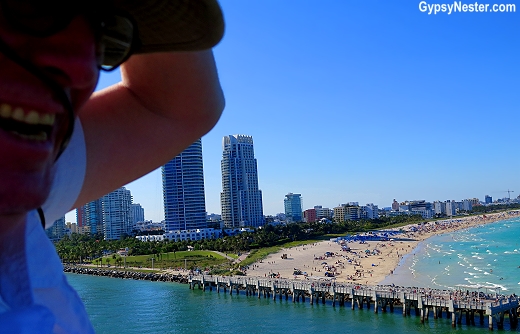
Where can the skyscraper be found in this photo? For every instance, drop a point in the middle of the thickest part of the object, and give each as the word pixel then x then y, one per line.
pixel 117 213
pixel 137 213
pixel 488 199
pixel 183 190
pixel 293 208
pixel 90 216
pixel 57 230
pixel 240 200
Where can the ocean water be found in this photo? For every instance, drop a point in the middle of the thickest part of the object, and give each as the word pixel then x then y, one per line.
pixel 485 257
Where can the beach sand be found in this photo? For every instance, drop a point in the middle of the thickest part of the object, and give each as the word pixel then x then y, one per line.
pixel 366 263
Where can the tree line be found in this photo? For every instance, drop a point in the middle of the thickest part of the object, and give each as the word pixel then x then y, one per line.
pixel 80 247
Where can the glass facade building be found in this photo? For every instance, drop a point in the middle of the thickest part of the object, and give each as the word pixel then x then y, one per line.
pixel 293 208
pixel 90 216
pixel 183 190
pixel 57 230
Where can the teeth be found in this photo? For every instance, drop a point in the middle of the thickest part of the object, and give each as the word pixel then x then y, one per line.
pixel 31 117
pixel 47 119
pixel 42 136
pixel 18 114
pixel 5 110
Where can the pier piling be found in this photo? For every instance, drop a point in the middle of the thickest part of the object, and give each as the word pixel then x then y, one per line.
pixel 385 297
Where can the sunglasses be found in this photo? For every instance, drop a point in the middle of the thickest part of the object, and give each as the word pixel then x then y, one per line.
pixel 115 33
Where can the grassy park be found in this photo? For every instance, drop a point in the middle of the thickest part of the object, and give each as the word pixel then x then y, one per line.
pixel 181 259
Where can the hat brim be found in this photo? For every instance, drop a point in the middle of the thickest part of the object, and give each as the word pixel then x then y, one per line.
pixel 174 25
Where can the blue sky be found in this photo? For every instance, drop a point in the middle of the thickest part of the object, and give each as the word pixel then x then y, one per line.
pixel 364 101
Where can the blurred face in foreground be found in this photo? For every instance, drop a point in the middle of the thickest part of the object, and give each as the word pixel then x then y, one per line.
pixel 33 121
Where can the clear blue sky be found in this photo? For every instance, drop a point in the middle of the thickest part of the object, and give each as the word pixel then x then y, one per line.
pixel 364 101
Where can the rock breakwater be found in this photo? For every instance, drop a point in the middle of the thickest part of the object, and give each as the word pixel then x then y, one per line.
pixel 127 274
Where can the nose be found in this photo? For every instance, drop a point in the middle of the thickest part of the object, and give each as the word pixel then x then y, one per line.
pixel 68 56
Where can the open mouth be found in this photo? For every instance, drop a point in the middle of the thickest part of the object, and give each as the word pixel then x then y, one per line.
pixel 29 125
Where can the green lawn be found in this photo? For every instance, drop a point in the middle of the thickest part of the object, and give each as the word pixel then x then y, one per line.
pixel 258 254
pixel 188 259
pixel 235 256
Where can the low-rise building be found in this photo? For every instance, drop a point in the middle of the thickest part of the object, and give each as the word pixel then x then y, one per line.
pixel 183 235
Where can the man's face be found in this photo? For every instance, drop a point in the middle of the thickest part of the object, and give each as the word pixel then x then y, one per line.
pixel 33 121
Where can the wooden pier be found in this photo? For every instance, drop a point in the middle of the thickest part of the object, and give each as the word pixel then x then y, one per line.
pixel 452 303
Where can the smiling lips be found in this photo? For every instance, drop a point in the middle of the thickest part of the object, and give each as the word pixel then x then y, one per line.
pixel 29 125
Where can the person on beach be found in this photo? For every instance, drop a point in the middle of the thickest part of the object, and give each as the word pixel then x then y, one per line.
pixel 62 146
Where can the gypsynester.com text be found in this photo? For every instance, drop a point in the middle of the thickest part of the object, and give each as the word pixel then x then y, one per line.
pixel 462 7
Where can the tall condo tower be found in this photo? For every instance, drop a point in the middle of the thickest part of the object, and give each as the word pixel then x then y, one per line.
pixel 240 200
pixel 183 190
pixel 137 213
pixel 117 213
pixel 91 215
pixel 57 230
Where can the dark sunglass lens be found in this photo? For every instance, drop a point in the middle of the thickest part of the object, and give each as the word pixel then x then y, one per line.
pixel 116 42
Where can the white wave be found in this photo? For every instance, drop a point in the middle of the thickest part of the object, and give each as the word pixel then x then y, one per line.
pixel 471 286
pixel 496 286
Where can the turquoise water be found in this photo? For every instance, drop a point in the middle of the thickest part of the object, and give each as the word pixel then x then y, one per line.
pixel 466 258
pixel 483 258
pixel 127 306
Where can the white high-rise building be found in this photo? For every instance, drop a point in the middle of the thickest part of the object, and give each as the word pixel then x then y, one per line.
pixel 117 213
pixel 322 212
pixel 467 205
pixel 439 208
pixel 240 200
pixel 369 211
pixel 451 208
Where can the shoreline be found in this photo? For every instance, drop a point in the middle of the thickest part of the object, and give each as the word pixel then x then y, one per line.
pixel 368 262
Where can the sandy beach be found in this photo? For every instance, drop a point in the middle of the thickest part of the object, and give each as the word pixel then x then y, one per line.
pixel 368 262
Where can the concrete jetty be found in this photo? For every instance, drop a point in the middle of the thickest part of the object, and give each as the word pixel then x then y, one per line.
pixel 457 304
